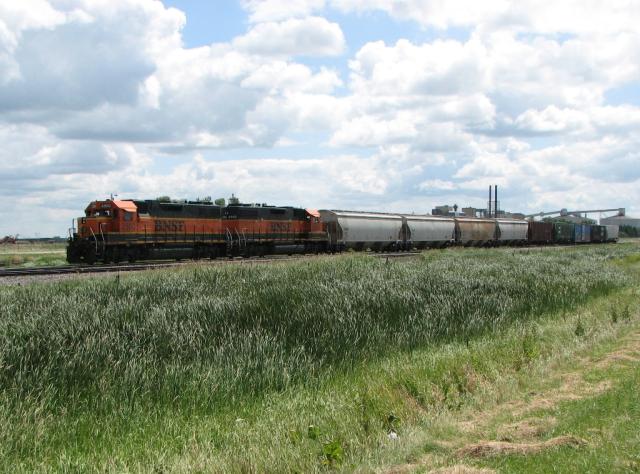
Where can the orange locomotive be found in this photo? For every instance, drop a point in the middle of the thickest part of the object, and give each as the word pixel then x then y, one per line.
pixel 115 230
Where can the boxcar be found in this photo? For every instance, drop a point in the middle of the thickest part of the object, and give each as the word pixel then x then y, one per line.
pixel 540 232
pixel 612 232
pixel 563 232
pixel 428 231
pixel 362 230
pixel 598 233
pixel 511 231
pixel 584 234
pixel 475 232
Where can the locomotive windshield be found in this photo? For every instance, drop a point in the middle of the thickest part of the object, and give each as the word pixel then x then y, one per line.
pixel 100 213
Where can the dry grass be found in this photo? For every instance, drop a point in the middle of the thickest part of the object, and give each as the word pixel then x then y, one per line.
pixel 461 469
pixel 500 448
pixel 525 429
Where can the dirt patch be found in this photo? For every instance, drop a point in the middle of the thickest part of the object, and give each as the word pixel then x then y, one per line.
pixel 520 437
pixel 525 429
pixel 462 469
pixel 629 353
pixel 427 460
pixel 500 448
pixel 573 387
pixel 456 469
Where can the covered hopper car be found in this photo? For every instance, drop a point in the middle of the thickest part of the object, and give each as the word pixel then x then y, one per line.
pixel 475 232
pixel 511 231
pixel 360 230
pixel 429 231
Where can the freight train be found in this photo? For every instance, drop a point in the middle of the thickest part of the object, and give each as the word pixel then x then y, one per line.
pixel 116 230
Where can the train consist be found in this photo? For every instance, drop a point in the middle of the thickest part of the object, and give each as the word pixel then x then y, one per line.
pixel 116 230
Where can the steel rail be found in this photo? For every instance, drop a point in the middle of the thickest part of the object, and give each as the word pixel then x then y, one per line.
pixel 131 267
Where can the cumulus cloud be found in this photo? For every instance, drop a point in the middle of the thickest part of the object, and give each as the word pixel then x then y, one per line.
pixel 270 10
pixel 101 97
pixel 311 36
pixel 52 68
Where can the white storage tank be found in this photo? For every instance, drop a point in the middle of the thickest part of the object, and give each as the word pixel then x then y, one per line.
pixel 363 230
pixel 429 231
pixel 612 233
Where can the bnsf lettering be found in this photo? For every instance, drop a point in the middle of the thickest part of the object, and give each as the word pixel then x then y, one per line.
pixel 280 227
pixel 169 226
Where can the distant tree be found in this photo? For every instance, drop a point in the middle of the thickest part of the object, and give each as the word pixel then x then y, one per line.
pixel 220 202
pixel 629 231
pixel 578 220
pixel 163 198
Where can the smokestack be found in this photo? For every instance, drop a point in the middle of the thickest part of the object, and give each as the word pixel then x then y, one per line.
pixel 495 189
pixel 489 208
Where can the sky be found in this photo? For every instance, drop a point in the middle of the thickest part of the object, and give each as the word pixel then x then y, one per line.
pixel 387 105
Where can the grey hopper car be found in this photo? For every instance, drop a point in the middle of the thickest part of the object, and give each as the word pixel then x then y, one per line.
pixel 475 232
pixel 363 230
pixel 428 231
pixel 512 231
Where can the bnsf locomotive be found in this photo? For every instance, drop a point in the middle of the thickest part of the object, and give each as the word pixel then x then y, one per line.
pixel 116 230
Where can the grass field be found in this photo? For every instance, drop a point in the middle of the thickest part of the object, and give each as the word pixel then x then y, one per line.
pixel 303 366
pixel 32 255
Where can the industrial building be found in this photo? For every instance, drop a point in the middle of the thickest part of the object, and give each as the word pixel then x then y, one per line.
pixel 621 220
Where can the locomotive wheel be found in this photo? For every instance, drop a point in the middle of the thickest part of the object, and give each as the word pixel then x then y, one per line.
pixel 90 256
pixel 108 255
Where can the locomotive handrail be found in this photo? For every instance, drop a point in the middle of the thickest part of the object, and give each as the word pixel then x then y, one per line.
pixel 229 237
pixel 95 239
pixel 104 243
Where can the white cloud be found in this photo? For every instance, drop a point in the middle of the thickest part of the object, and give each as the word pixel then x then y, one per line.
pixel 311 36
pixel 103 96
pixel 270 10
pixel 437 185
pixel 569 16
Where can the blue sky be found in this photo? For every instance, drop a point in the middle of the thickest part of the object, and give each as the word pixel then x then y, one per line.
pixel 318 103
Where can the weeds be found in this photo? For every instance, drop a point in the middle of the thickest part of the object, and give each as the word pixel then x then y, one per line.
pixel 200 341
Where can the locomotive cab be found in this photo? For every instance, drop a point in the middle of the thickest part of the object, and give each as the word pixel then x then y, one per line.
pixel 101 219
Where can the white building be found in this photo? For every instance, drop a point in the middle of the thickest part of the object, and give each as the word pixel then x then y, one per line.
pixel 621 220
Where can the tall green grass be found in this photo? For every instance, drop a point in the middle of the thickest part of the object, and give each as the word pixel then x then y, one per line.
pixel 206 334
pixel 204 338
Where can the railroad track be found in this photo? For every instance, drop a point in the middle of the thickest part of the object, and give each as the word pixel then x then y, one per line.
pixel 133 267
pixel 78 269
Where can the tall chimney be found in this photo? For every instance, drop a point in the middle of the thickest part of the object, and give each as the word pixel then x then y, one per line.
pixel 495 189
pixel 489 208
